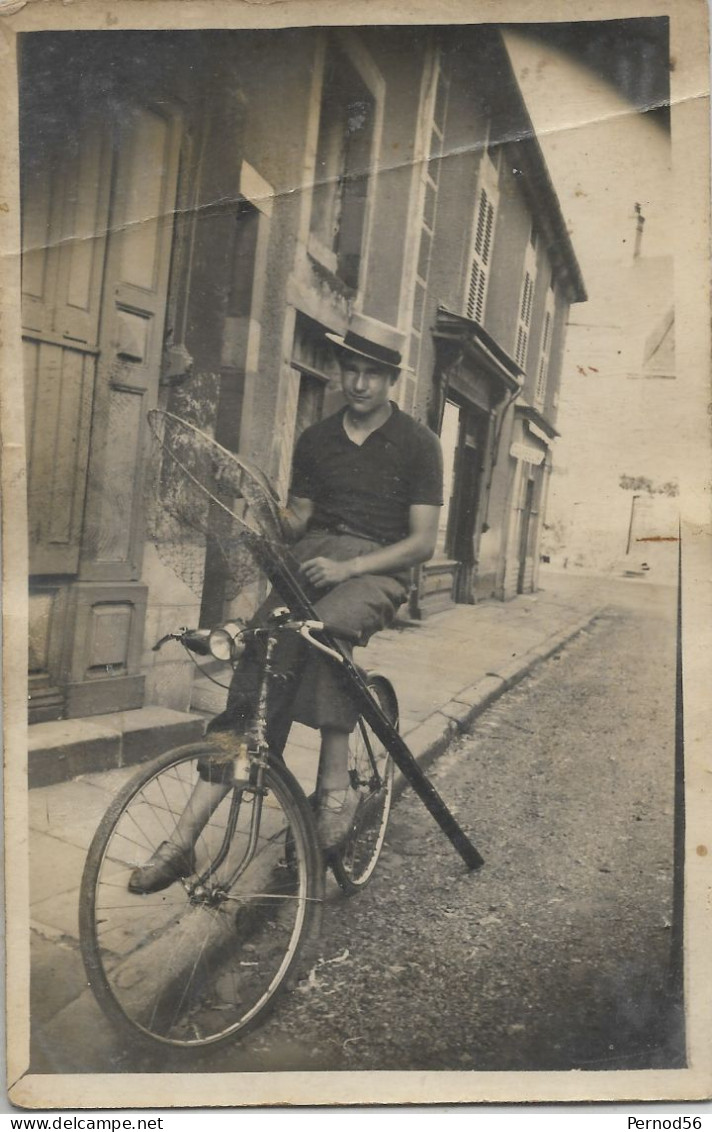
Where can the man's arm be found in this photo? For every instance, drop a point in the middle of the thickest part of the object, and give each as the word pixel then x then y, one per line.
pixel 417 547
pixel 295 517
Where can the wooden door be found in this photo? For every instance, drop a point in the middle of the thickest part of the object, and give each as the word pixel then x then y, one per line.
pixel 463 527
pixel 65 219
pixel 131 340
pixel 98 205
pixel 524 531
pixel 450 431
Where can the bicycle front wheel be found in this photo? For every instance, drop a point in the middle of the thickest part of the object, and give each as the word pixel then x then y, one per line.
pixel 371 772
pixel 205 959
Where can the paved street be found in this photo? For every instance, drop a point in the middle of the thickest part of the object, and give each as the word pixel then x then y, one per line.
pixel 552 956
pixel 555 955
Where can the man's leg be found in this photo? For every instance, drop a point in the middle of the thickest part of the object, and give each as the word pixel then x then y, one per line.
pixel 334 760
pixel 175 858
pixel 325 700
pixel 337 800
pixel 205 798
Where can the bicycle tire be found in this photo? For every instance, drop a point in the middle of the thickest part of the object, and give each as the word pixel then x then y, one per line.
pixel 199 964
pixel 354 861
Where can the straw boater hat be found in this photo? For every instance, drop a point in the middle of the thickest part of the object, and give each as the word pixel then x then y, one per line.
pixel 372 339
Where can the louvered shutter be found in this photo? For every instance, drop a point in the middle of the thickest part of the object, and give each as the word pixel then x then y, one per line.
pixel 476 296
pixel 526 305
pixel 481 255
pixel 543 372
pixel 525 315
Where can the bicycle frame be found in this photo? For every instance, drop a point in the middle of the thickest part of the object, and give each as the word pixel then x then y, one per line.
pixel 375 781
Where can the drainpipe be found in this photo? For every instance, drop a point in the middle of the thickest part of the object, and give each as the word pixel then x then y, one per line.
pixel 630 525
pixel 494 452
pixel 639 225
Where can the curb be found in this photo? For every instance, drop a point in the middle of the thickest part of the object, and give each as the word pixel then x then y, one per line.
pixel 432 737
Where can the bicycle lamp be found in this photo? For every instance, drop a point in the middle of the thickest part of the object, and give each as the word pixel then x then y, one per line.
pixel 226 643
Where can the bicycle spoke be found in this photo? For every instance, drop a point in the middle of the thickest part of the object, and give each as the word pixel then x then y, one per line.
pixel 275 896
pixel 168 809
pixel 145 843
pixel 133 906
pixel 189 982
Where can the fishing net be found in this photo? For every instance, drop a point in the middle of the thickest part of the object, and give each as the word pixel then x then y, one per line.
pixel 207 508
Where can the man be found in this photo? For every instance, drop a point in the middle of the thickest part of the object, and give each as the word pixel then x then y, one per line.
pixel 363 509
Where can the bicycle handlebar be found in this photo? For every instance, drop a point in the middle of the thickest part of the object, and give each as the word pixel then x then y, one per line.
pixel 198 640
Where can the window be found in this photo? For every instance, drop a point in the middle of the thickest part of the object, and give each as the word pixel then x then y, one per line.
pixel 313 359
pixel 526 302
pixel 342 166
pixel 482 241
pixel 310 402
pixel 427 161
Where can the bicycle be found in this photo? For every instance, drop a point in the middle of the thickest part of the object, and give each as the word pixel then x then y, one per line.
pixel 206 959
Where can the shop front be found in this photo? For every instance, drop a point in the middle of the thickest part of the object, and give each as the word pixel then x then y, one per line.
pixel 475 381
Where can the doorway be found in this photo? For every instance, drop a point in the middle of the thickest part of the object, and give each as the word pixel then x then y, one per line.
pixel 524 576
pixel 98 207
pixel 463 436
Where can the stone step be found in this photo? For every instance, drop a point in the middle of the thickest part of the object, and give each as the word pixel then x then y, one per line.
pixel 63 749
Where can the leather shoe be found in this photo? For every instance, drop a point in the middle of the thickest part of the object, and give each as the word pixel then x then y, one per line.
pixel 166 865
pixel 336 815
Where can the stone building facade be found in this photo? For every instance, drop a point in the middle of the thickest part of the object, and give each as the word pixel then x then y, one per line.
pixel 198 210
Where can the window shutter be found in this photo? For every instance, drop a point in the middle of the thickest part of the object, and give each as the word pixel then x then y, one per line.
pixel 481 255
pixel 521 351
pixel 526 306
pixel 476 294
pixel 543 372
pixel 488 227
pixel 541 380
pixel 525 315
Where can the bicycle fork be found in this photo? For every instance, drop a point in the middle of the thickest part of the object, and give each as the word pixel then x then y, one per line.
pixel 257 753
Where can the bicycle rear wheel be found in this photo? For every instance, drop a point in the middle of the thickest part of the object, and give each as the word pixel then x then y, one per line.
pixel 204 960
pixel 371 771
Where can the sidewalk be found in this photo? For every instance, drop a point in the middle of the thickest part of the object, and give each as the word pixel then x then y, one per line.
pixel 445 670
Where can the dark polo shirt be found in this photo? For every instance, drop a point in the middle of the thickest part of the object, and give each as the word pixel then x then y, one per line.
pixel 368 488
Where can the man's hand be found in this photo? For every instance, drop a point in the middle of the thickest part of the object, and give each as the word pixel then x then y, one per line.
pixel 326 572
